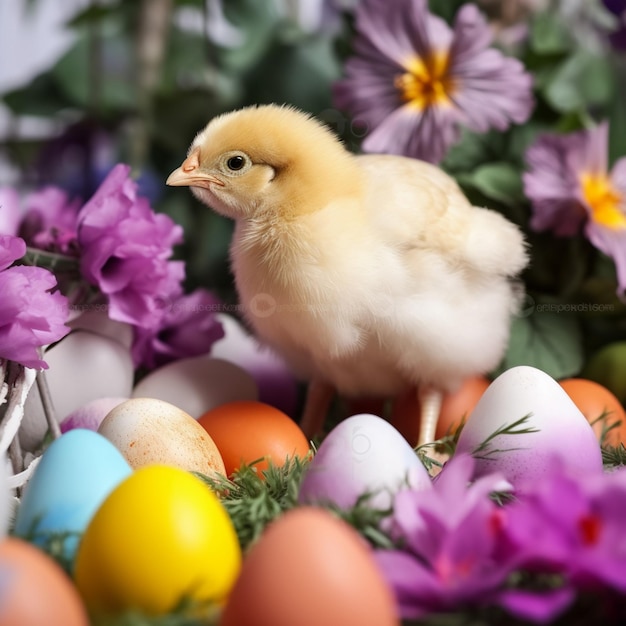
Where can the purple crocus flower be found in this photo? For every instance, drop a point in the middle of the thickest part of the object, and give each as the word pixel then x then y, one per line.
pixel 126 249
pixel 414 81
pixel 189 327
pixel 571 190
pixel 31 316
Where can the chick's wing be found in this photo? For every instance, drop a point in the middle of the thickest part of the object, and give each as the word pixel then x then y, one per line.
pixel 417 206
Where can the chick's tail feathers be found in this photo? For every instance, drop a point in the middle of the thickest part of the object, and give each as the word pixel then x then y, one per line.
pixel 494 245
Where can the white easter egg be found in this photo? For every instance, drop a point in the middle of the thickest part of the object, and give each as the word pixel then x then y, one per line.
pixel 276 382
pixel 363 453
pixel 559 428
pixel 98 321
pixel 148 431
pixel 197 384
pixel 83 366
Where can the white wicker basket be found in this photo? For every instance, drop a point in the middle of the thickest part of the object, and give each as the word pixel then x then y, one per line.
pixel 16 382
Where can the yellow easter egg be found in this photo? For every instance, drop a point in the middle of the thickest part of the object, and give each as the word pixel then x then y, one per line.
pixel 160 538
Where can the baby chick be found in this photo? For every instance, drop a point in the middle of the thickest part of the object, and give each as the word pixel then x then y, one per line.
pixel 370 274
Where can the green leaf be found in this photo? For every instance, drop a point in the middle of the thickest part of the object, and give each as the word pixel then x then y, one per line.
pixel 498 181
pixel 258 22
pixel 549 34
pixel 94 13
pixel 300 74
pixel 473 150
pixel 549 341
pixel 617 112
pixel 98 74
pixel 41 97
pixel 445 9
pixel 582 81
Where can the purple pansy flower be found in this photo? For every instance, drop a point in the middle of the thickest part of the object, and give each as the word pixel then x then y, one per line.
pixel 126 249
pixel 571 189
pixel 414 81
pixel 30 315
pixel 189 327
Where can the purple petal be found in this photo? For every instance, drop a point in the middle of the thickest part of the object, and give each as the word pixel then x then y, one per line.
pixel 613 244
pixel 471 32
pixel 10 211
pixel 30 316
pixel 551 184
pixel 125 251
pixel 483 88
pixel 425 135
pixel 188 328
pixel 540 608
pixel 415 588
pixel 594 158
pixel 11 249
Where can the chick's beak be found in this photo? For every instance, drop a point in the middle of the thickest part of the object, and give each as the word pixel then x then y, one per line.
pixel 189 174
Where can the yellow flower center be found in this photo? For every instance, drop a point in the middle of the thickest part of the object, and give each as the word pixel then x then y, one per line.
pixel 604 200
pixel 426 81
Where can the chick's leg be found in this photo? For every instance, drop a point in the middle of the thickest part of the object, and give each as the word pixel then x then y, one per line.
pixel 318 399
pixel 430 406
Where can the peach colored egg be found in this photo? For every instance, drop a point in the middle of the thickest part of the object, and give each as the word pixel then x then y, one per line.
pixel 148 431
pixel 601 408
pixel 455 409
pixel 35 591
pixel 310 568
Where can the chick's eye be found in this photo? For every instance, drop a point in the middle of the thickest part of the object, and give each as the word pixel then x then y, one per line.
pixel 235 163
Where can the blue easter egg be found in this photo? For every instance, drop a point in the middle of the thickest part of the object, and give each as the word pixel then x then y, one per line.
pixel 75 475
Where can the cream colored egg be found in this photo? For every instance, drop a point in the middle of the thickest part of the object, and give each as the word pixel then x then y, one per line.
pixel 83 366
pixel 197 385
pixel 150 431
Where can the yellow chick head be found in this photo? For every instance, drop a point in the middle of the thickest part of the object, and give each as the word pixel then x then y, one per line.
pixel 264 161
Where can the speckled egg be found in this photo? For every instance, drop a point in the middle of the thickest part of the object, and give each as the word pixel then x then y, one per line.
pixel 556 428
pixel 151 431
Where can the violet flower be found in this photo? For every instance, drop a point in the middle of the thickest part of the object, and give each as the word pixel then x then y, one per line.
pixel 571 189
pixel 31 315
pixel 414 81
pixel 574 526
pixel 10 211
pixel 189 327
pixel 456 552
pixel 451 534
pixel 50 221
pixel 126 249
